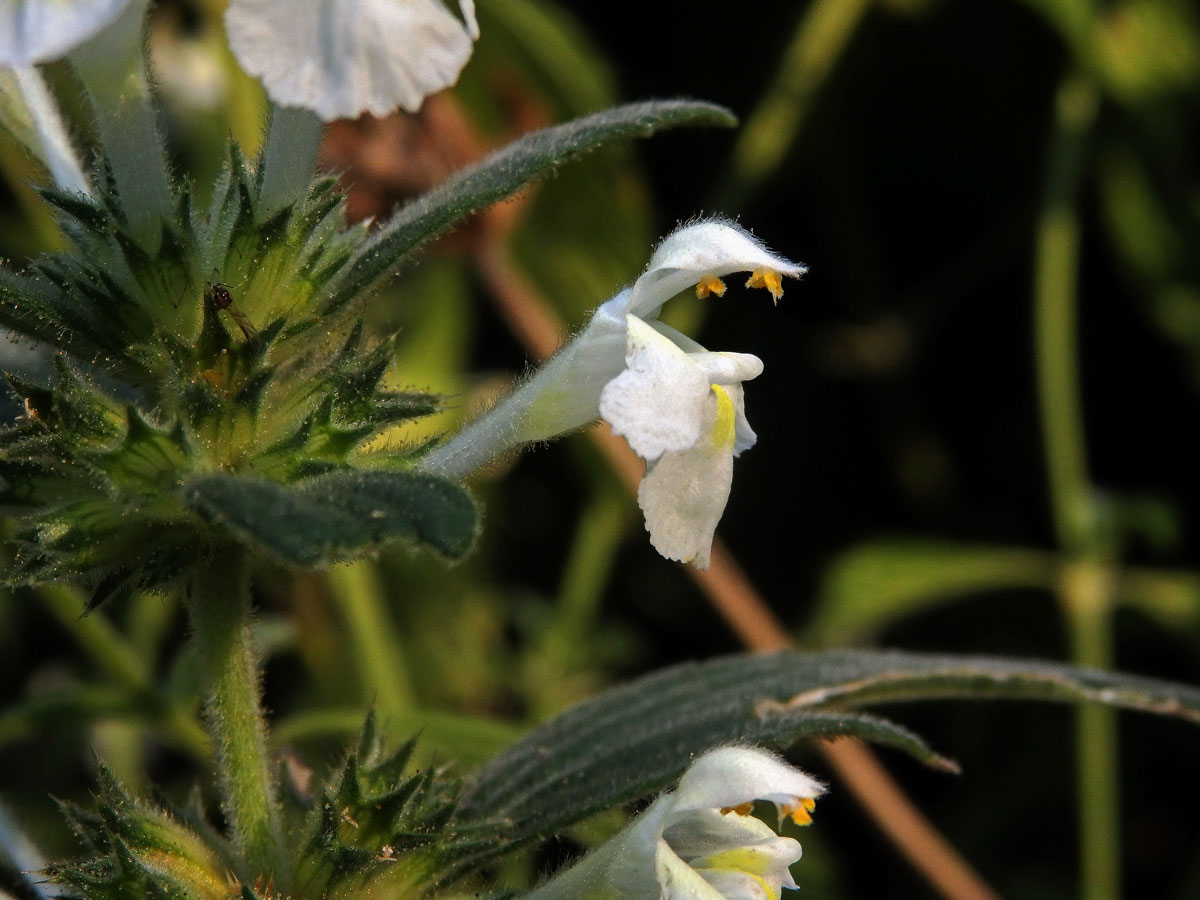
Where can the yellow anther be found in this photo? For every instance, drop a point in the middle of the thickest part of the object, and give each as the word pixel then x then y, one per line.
pixel 769 279
pixel 742 809
pixel 710 284
pixel 800 812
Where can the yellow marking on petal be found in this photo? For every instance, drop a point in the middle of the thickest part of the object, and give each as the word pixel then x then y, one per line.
pixel 745 860
pixel 710 284
pixel 723 426
pixel 769 279
pixel 742 809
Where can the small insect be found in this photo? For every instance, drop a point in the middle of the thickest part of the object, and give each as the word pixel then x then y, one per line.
pixel 387 853
pixel 218 294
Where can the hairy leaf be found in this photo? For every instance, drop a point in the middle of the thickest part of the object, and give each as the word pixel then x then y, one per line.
pixel 332 516
pixel 637 738
pixel 506 171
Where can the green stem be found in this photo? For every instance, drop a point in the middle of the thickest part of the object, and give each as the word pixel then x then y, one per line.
pixel 601 528
pixel 289 158
pixel 378 650
pixel 1085 591
pixel 219 605
pixel 118 659
pixel 818 41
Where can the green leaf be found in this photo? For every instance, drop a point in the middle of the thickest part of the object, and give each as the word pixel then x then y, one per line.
pixel 504 172
pixel 639 737
pixel 876 583
pixel 336 515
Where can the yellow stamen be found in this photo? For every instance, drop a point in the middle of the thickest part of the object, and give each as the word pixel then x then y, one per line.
pixel 769 279
pixel 800 812
pixel 742 809
pixel 710 284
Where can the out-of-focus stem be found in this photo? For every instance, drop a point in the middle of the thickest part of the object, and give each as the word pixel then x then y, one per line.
pixel 1085 590
pixel 378 652
pixel 121 662
pixel 817 43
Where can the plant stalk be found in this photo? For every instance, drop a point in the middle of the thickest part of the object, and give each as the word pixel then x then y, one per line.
pixel 378 650
pixel 219 606
pixel 1085 591
pixel 817 44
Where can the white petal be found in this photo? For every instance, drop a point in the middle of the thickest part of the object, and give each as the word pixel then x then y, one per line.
pixel 734 885
pixel 728 368
pixel 768 859
pixel 37 31
pixel 702 832
pixel 715 247
pixel 744 436
pixel 731 776
pixel 630 860
pixel 683 494
pixel 341 58
pixel 659 402
pixel 565 393
pixel 679 881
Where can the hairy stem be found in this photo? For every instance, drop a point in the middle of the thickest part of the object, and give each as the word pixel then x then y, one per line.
pixel 219 606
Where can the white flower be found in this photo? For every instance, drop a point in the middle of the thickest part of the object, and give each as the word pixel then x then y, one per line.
pixel 679 406
pixel 38 31
pixel 700 841
pixel 341 58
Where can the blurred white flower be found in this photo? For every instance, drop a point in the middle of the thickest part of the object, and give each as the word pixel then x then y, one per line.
pixel 38 31
pixel 341 58
pixel 700 841
pixel 678 405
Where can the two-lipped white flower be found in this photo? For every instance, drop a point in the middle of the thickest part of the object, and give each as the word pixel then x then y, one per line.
pixel 679 406
pixel 700 842
pixel 341 58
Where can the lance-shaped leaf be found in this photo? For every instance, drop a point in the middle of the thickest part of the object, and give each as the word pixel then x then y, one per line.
pixel 503 173
pixel 337 515
pixel 637 738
